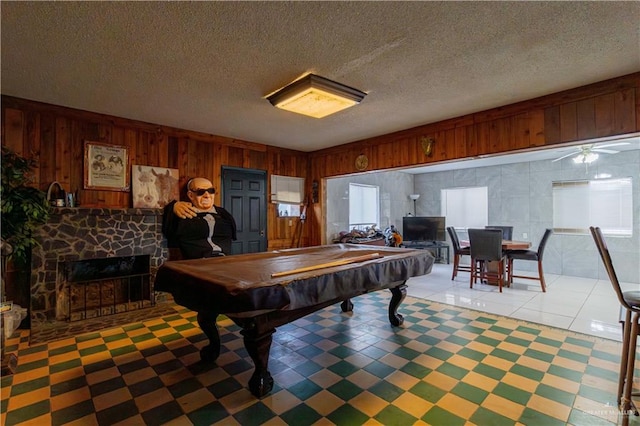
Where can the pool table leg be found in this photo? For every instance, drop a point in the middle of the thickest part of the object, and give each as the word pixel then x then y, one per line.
pixel 207 322
pixel 398 294
pixel 346 305
pixel 258 346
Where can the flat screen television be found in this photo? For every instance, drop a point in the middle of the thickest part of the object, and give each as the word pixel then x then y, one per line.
pixel 423 228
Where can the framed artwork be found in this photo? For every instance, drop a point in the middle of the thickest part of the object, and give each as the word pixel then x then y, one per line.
pixel 154 187
pixel 106 167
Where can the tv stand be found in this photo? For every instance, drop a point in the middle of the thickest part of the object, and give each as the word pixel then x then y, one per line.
pixel 440 249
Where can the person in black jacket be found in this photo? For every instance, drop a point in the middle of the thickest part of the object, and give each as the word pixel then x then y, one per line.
pixel 199 228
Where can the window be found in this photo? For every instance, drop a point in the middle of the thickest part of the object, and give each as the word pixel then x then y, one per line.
pixel 465 207
pixel 288 193
pixel 364 205
pixel 606 203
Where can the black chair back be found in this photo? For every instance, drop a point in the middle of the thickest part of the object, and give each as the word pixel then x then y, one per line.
pixel 507 231
pixel 486 244
pixel 543 242
pixel 454 238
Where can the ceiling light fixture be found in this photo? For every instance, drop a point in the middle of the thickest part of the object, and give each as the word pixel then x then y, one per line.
pixel 585 158
pixel 315 96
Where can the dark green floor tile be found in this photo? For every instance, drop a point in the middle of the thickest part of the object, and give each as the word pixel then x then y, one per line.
pixel 348 416
pixel 581 342
pixel 343 368
pixel 542 356
pixel 66 365
pixel 548 342
pixel 107 386
pixel 584 359
pixel 184 327
pixel 469 392
pixel 527 372
pixel 31 385
pixel 428 392
pixel 486 320
pixel 406 353
pixel 342 352
pixel 97 366
pixel 400 340
pixel 307 368
pixel 379 369
pixel 123 350
pixel 452 370
pixel 62 350
pixel 420 329
pixel 565 373
pixel 68 385
pixel 482 416
pixel 603 373
pixel 311 338
pixel 114 337
pixel 428 340
pixel 461 320
pixel 132 366
pixel 415 370
pixel 501 330
pixel 208 414
pixel 473 329
pixel 517 341
pixel 160 326
pixel 528 330
pixel 310 351
pixel 92 350
pixel 142 337
pixel 28 412
pixel 117 413
pixel 488 341
pixel 457 340
pixel 501 353
pixel 555 394
pixel 393 416
pixel 224 387
pixel 301 415
pixel 472 354
pixel 73 412
pixel 489 371
pixel 162 414
pixel 596 394
pixel 533 417
pixel 344 389
pixel 91 336
pixel 41 363
pixel 385 390
pixel 446 329
pixel 304 389
pixel 437 416
pixel 512 393
pixel 606 356
pixel 438 353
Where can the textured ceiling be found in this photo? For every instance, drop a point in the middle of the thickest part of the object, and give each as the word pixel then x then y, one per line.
pixel 206 66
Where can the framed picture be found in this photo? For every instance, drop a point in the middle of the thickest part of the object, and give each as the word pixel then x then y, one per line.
pixel 154 187
pixel 106 167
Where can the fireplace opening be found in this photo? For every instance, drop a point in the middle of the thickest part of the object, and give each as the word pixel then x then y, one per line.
pixel 99 287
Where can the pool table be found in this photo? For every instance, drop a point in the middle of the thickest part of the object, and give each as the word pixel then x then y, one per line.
pixel 261 291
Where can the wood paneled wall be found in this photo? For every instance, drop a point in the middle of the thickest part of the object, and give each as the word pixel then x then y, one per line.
pixel 56 133
pixel 55 136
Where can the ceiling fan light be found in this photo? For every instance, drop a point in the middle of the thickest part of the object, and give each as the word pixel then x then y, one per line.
pixel 585 158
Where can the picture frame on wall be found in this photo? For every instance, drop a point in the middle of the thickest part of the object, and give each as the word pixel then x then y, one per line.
pixel 106 167
pixel 154 187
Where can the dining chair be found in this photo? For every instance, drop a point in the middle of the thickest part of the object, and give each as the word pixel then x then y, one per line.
pixel 486 246
pixel 507 231
pixel 458 252
pixel 630 302
pixel 531 255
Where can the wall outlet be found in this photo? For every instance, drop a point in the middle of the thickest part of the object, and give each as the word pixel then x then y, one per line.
pixel 525 235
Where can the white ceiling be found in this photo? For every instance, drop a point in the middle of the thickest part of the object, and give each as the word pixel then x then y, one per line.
pixel 206 66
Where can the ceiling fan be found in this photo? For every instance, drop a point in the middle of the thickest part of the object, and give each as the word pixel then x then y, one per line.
pixel 589 153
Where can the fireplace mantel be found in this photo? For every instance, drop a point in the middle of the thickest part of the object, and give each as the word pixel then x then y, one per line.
pixel 81 233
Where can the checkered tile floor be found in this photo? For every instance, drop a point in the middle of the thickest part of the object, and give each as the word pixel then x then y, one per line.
pixel 443 366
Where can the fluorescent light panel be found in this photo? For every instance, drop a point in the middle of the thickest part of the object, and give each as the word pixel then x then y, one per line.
pixel 315 96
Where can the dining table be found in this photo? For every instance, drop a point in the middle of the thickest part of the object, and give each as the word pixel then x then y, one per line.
pixel 506 245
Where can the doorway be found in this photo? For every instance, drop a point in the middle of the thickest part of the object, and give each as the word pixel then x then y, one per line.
pixel 244 196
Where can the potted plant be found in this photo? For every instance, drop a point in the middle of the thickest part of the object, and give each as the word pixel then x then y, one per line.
pixel 23 208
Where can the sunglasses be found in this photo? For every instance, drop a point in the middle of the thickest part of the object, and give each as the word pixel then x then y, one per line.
pixel 200 192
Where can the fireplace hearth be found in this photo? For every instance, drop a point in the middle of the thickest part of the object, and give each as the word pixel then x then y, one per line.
pixel 93 263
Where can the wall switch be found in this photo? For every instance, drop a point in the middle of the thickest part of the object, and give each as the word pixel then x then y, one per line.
pixel 524 235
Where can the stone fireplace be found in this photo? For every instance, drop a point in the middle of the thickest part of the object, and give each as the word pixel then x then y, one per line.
pixel 93 263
